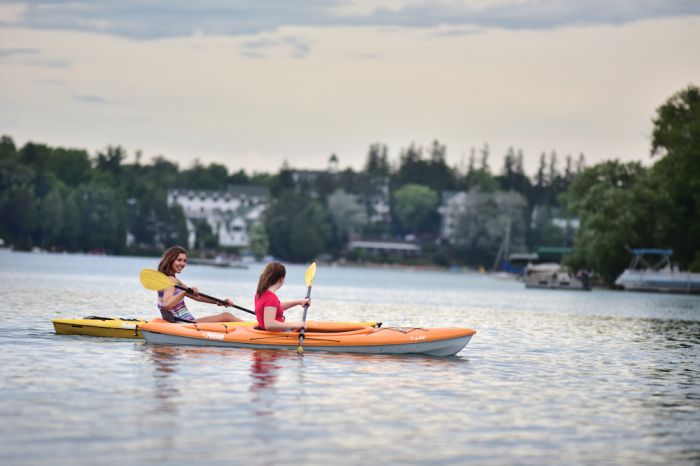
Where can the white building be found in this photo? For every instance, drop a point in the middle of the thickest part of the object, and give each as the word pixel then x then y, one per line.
pixel 451 208
pixel 230 213
pixel 379 202
pixel 378 248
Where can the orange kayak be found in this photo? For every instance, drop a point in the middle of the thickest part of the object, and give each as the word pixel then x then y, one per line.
pixel 323 337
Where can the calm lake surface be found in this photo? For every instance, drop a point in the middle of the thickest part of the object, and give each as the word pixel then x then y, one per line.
pixel 551 377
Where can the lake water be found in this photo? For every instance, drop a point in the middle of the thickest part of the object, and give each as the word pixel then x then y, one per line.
pixel 551 377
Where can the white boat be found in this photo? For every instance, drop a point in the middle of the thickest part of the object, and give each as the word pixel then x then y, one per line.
pixel 661 276
pixel 553 276
pixel 219 261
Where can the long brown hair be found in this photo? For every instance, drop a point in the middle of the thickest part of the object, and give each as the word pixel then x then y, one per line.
pixel 271 274
pixel 169 256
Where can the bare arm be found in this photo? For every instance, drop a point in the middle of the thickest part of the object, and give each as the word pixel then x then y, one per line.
pixel 271 324
pixel 228 302
pixel 297 302
pixel 197 297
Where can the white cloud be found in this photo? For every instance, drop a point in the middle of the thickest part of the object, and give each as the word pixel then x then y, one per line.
pixel 177 18
pixel 588 89
pixel 12 13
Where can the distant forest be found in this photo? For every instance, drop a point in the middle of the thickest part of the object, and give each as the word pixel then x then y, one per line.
pixel 62 199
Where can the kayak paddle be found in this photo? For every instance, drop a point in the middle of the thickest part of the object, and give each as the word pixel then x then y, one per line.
pixel 309 277
pixel 157 281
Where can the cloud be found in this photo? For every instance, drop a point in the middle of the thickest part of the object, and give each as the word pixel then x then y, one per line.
pixel 29 56
pixel 7 52
pixel 295 46
pixel 11 12
pixel 92 99
pixel 176 18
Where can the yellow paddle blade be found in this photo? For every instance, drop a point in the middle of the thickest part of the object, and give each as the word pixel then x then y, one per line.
pixel 154 280
pixel 310 274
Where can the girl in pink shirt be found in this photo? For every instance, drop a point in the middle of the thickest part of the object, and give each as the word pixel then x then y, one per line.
pixel 268 308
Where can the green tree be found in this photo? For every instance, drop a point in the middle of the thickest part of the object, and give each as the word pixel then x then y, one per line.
pixel 205 236
pixel 71 232
pixel 103 218
pixel 18 208
pixel 212 177
pixel 347 212
pixel 8 150
pixel 51 218
pixel 108 164
pixel 298 227
pixel 618 205
pixel 676 140
pixel 155 224
pixel 72 167
pixel 413 206
pixel 377 164
pixel 433 172
pixel 259 242
pixel 310 232
pixel 479 177
pixel 482 222
pixel 18 213
pixel 512 175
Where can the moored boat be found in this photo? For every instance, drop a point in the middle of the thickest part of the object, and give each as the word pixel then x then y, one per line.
pixel 131 328
pixel 553 276
pixel 642 275
pixel 388 340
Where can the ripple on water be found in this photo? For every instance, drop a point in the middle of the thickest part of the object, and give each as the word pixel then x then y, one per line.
pixel 598 377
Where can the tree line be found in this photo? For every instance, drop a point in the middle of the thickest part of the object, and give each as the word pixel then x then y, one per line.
pixel 626 205
pixel 67 200
pixel 64 199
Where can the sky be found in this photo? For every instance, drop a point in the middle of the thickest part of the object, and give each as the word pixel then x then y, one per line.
pixel 255 84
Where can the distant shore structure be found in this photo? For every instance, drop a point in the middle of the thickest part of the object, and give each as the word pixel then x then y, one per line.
pixel 659 276
pixel 378 248
pixel 231 213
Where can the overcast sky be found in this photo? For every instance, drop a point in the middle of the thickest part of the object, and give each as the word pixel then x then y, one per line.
pixel 250 84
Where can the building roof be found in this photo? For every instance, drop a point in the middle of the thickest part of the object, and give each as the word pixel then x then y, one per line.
pixel 386 245
pixel 657 252
pixel 251 190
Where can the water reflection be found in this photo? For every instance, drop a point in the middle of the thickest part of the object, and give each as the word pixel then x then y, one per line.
pixel 264 370
pixel 165 391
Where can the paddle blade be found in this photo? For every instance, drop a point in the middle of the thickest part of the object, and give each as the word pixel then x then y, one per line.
pixel 154 280
pixel 310 274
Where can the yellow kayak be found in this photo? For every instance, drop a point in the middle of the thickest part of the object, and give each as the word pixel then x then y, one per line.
pixel 131 328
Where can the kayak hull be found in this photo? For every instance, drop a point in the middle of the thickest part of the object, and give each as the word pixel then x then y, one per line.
pixel 447 347
pixel 388 340
pixel 131 328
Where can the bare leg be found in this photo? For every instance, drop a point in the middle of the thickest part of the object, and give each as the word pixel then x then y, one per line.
pixel 223 317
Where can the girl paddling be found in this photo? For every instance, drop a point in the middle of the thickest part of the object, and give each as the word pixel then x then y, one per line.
pixel 268 308
pixel 171 301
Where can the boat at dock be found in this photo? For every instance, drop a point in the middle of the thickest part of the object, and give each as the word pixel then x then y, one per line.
pixel 554 276
pixel 661 276
pixel 219 261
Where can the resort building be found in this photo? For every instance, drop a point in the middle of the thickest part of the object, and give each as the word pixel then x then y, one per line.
pixel 375 249
pixel 230 214
pixel 451 208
